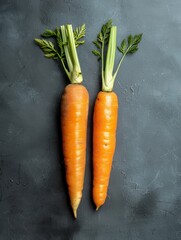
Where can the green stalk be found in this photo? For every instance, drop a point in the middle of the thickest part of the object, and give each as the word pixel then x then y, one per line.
pixel 66 40
pixel 67 55
pixel 108 80
pixel 102 62
pixel 120 62
pixel 76 74
pixel 127 46
pixel 119 65
pixel 63 64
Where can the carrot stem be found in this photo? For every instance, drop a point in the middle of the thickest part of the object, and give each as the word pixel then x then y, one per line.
pixel 102 62
pixel 67 54
pixel 108 80
pixel 76 75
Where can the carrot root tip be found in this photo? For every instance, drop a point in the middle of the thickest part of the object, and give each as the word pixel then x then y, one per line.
pixel 97 208
pixel 75 213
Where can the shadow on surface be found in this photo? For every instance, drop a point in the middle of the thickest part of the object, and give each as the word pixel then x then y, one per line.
pixel 146 206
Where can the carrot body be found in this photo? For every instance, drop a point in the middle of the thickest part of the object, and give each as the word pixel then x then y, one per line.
pixel 74 111
pixel 104 143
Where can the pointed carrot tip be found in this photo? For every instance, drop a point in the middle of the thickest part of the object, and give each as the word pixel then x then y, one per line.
pixel 75 213
pixel 97 208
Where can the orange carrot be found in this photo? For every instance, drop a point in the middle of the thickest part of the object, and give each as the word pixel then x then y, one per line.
pixel 104 143
pixel 74 111
pixel 74 106
pixel 106 109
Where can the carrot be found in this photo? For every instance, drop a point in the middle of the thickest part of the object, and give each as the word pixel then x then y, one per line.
pixel 74 111
pixel 74 106
pixel 106 108
pixel 104 142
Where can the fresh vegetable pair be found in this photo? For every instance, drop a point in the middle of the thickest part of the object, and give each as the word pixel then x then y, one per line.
pixel 74 106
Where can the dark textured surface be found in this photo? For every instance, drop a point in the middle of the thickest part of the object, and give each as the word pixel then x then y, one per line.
pixel 144 200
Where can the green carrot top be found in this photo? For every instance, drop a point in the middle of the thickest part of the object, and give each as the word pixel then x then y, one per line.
pixel 107 36
pixel 67 40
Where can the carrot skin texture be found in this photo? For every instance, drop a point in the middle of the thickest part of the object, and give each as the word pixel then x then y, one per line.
pixel 104 143
pixel 74 113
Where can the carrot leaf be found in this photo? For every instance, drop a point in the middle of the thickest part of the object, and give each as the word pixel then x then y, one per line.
pixel 79 32
pixel 48 48
pixel 97 44
pixel 97 53
pixel 102 38
pixel 123 47
pixel 66 40
pixel 48 33
pixel 128 47
pixel 132 44
pixel 60 42
pixel 107 36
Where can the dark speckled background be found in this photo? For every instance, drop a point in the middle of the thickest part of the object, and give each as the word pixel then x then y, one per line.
pixel 144 200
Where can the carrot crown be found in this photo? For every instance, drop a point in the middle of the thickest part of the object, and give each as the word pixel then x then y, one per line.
pixel 65 51
pixel 107 38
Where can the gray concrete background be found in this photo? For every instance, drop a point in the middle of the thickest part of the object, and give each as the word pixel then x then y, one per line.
pixel 144 200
